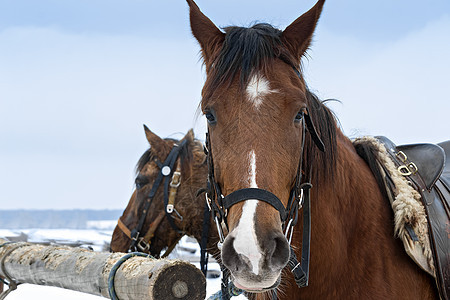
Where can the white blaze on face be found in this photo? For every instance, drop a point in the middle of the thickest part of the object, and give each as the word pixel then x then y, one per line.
pixel 257 88
pixel 246 242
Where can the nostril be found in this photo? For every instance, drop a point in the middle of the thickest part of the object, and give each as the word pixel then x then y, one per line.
pixel 278 251
pixel 230 258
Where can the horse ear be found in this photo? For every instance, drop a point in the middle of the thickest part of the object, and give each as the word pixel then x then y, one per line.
pixel 158 145
pixel 189 137
pixel 207 34
pixel 297 36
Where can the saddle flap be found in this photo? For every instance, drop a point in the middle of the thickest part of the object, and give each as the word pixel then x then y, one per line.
pixel 445 177
pixel 446 172
pixel 429 160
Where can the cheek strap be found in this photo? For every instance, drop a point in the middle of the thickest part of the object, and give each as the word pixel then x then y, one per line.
pixel 312 130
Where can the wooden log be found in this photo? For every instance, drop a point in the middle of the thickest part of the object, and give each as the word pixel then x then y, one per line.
pixel 87 271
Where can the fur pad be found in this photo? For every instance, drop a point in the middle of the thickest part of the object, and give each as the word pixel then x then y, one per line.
pixel 408 209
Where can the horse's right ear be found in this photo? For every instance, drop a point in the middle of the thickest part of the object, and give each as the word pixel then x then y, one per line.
pixel 207 34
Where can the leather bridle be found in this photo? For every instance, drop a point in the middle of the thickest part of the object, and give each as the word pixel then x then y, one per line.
pixel 143 243
pixel 299 198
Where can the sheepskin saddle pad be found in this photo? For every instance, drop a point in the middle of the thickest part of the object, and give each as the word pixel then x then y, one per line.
pixel 416 179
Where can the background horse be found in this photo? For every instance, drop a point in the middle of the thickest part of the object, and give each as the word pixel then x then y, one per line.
pixel 258 107
pixel 187 203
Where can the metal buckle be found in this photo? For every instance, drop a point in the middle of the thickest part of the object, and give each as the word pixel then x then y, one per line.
pixel 142 245
pixel 402 156
pixel 407 170
pixel 219 229
pixel 412 166
pixel 404 170
pixel 208 201
pixel 178 214
pixel 291 229
pixel 175 182
pixel 300 199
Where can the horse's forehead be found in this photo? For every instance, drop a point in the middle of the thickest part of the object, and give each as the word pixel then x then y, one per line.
pixel 263 98
pixel 257 89
pixel 150 168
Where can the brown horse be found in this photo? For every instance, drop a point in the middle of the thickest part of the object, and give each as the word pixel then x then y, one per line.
pixel 266 133
pixel 187 204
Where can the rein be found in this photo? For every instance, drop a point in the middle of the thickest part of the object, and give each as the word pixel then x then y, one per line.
pixel 299 198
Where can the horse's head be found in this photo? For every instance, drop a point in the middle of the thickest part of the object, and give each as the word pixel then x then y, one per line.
pixel 256 103
pixel 157 232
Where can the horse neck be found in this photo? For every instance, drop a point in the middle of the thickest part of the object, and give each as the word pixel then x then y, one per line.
pixel 347 211
pixel 352 191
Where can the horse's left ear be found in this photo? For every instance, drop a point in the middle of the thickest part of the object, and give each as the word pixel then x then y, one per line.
pixel 207 34
pixel 297 36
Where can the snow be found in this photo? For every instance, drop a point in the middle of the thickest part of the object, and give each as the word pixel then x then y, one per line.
pixel 38 292
pixel 97 239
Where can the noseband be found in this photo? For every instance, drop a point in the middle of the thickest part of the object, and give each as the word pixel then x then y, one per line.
pixel 142 243
pixel 299 198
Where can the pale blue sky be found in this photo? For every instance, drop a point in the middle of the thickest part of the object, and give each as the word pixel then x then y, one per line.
pixel 79 78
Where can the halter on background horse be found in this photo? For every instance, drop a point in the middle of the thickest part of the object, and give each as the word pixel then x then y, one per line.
pixel 257 105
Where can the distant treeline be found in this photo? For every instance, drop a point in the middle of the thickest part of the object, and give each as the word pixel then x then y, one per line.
pixel 53 219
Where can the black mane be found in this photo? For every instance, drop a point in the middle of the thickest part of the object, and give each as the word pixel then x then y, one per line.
pixel 321 165
pixel 144 159
pixel 246 50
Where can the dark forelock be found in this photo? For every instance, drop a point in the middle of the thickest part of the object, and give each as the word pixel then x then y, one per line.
pixel 245 51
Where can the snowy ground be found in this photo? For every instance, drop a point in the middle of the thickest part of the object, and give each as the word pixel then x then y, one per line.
pixel 97 239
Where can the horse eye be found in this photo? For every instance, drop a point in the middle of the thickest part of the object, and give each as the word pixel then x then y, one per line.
pixel 210 117
pixel 140 182
pixel 299 116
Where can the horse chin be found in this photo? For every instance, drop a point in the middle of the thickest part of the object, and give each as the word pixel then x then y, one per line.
pixel 257 289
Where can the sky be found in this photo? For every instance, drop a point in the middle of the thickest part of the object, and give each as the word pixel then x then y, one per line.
pixel 79 78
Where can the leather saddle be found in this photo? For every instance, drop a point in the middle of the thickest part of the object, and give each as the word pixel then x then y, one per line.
pixel 427 167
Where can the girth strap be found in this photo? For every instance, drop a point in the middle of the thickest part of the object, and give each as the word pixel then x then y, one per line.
pixel 256 194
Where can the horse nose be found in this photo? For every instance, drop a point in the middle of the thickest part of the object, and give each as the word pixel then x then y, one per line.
pixel 274 255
